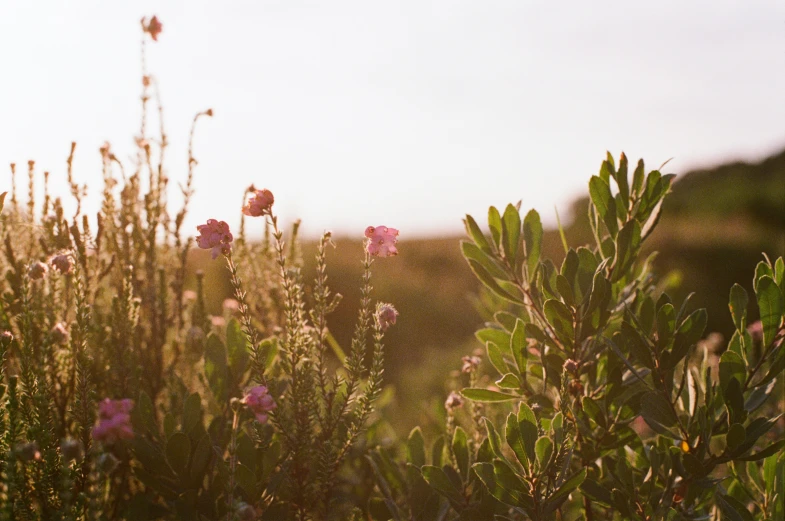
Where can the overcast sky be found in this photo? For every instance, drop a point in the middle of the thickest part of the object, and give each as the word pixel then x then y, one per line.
pixel 404 113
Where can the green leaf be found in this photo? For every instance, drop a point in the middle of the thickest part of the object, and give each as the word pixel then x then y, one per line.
pixel 559 317
pixel 515 441
pixel 519 346
pixel 215 367
pixel 731 366
pixel 201 458
pixel 494 439
pixel 772 307
pixel 511 233
pixel 765 453
pixel 496 357
pixel 192 412
pixel 601 197
pixel 147 413
pixel 657 412
pixel 568 486
pixel 527 422
pixel 509 381
pixel 178 452
pixel 532 237
pixel 511 483
pixel 733 509
pixel 628 243
pixel 486 260
pixel 495 224
pixel 481 273
pixel 493 334
pixel 622 182
pixel 439 481
pixel 415 448
pixel 736 436
pixel 460 448
pixel 486 395
pixel 237 348
pixel 738 306
pixel 543 449
pixel 474 231
pixel 638 178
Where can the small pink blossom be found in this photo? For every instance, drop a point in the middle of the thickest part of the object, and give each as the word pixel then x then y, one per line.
pixel 215 235
pixel 217 321
pixel 114 421
pixel 37 270
pixel 59 333
pixel 470 363
pixel 231 305
pixel 62 263
pixel 260 203
pixel 259 401
pixel 386 315
pixel 153 27
pixel 381 241
pixel 454 400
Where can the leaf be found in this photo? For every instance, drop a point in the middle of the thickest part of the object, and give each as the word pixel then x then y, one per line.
pixel 568 486
pixel 511 233
pixel 486 395
pixel 460 448
pixel 474 231
pixel 494 440
pixel 733 509
pixel 486 260
pixel 147 413
pixel 560 317
pixel 731 366
pixel 736 436
pixel 738 306
pixel 509 381
pixel 201 458
pixel 772 308
pixel 495 224
pixel 515 441
pixel 622 182
pixel 638 178
pixel 215 367
pixel 765 453
pixel 601 197
pixel 178 452
pixel 519 346
pixel 511 483
pixel 628 243
pixel 657 412
pixel 415 448
pixel 481 273
pixel 543 449
pixel 532 237
pixel 496 357
pixel 237 348
pixel 192 412
pixel 439 481
pixel 527 423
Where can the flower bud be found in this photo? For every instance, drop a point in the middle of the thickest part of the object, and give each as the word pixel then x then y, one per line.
pixel 62 263
pixel 454 400
pixel 570 365
pixel 37 270
pixel 59 333
pixel 386 315
pixel 28 451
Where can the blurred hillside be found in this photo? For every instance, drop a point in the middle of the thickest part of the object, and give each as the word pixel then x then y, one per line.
pixel 713 229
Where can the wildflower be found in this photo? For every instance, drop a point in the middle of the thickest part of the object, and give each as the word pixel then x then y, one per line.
pixel 386 315
pixel 59 333
pixel 218 321
pixel 142 143
pixel 454 400
pixel 37 270
pixel 260 203
pixel 189 295
pixel 231 305
pixel 215 235
pixel 381 241
pixel 71 449
pixel 259 402
pixel 153 27
pixel 114 421
pixel 7 336
pixel 470 364
pixel 145 81
pixel 62 263
pixel 570 366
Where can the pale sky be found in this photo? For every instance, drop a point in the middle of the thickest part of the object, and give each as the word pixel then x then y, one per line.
pixel 406 113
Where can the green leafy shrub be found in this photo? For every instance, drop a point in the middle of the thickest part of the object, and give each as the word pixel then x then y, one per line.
pixel 615 407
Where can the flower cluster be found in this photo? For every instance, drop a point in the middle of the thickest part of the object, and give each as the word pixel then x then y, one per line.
pixel 153 27
pixel 215 235
pixel 114 421
pixel 62 263
pixel 470 364
pixel 386 315
pixel 259 401
pixel 260 203
pixel 381 241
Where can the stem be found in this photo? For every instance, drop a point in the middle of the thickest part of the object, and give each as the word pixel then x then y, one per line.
pixel 232 466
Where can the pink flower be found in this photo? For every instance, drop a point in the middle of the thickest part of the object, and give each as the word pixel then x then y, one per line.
pixel 62 263
pixel 386 315
pixel 260 203
pixel 59 333
pixel 454 400
pixel 215 235
pixel 114 421
pixel 381 241
pixel 153 27
pixel 259 402
pixel 37 270
pixel 470 363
